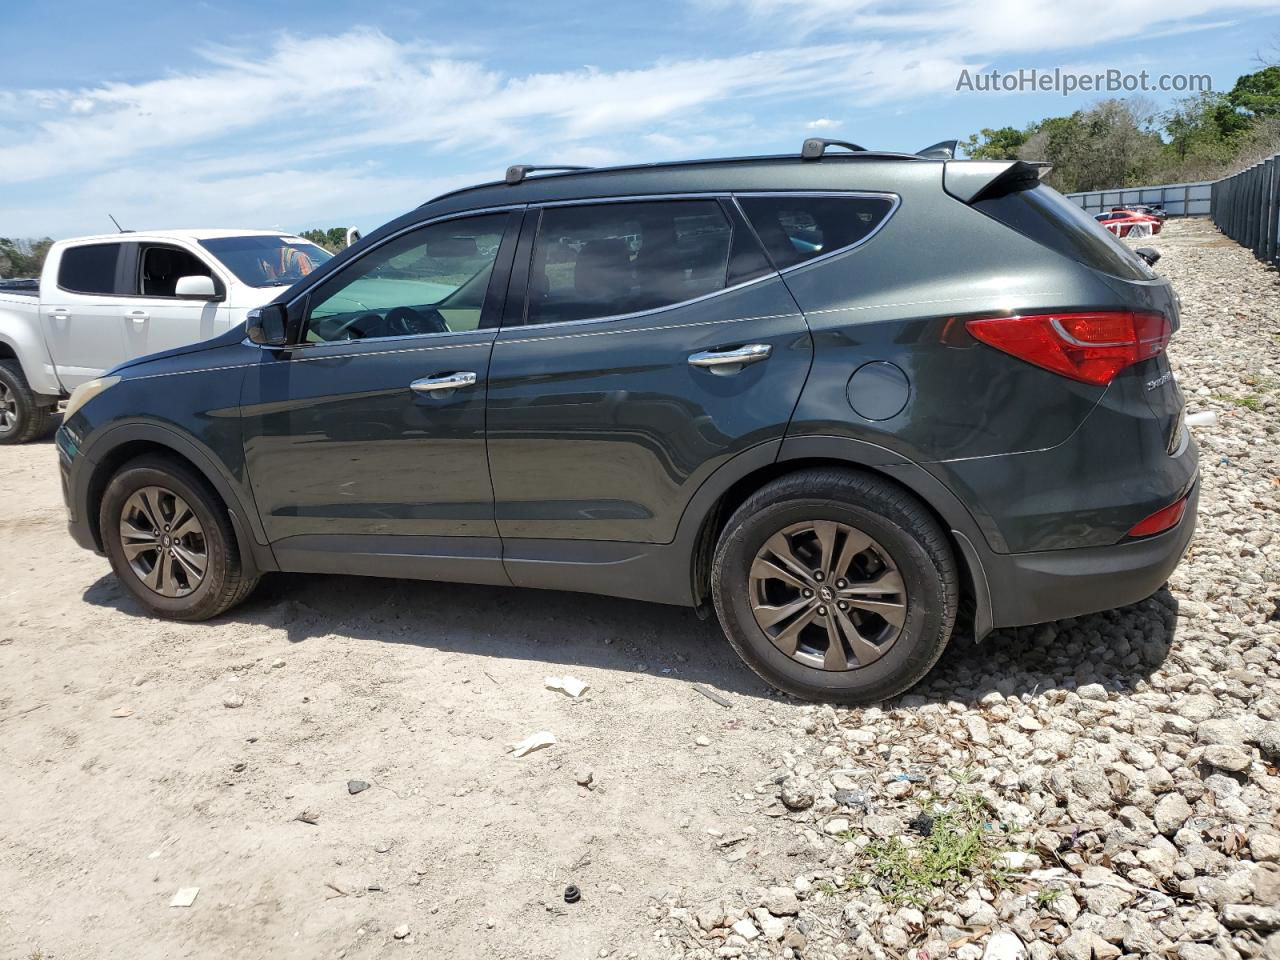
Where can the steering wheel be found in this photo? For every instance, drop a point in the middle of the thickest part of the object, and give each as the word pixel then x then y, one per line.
pixel 406 321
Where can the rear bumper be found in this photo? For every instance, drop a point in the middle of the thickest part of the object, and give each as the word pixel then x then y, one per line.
pixel 1049 585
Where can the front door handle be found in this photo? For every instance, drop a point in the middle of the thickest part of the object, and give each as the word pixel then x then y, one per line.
pixel 448 381
pixel 139 316
pixel 731 361
pixel 60 313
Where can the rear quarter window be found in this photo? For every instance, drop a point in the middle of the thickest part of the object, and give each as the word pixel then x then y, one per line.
pixel 90 268
pixel 1044 215
pixel 797 228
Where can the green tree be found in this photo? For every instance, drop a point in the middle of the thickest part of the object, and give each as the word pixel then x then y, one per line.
pixel 23 257
pixel 335 238
pixel 997 144
pixel 1258 93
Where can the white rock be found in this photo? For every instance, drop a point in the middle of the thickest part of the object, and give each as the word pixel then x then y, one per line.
pixel 1004 945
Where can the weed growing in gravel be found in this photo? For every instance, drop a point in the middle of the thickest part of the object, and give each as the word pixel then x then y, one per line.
pixel 961 845
pixel 1252 402
pixel 1047 896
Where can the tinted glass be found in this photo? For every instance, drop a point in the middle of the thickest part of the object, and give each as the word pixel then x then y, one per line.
pixel 1049 218
pixel 616 258
pixel 431 280
pixel 798 228
pixel 267 261
pixel 89 269
pixel 160 267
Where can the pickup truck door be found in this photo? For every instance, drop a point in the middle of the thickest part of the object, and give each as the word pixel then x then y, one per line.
pixel 80 311
pixel 153 318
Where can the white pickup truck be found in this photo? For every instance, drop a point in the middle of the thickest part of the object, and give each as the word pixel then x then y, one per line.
pixel 104 300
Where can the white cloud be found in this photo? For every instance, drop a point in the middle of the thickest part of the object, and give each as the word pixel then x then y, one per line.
pixel 307 127
pixel 958 28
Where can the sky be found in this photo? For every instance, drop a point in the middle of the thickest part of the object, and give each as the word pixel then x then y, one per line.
pixel 291 115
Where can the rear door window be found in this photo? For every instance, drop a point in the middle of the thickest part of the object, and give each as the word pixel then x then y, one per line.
pixel 798 228
pixel 90 268
pixel 611 259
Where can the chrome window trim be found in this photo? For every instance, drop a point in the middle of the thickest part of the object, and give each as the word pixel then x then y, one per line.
pixel 731 195
pixel 617 317
pixel 894 199
pixel 668 326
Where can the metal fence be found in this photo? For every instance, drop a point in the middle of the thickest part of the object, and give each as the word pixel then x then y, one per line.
pixel 1246 207
pixel 1178 199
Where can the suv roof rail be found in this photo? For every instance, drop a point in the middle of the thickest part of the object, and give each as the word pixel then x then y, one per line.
pixel 518 171
pixel 815 147
pixel 942 150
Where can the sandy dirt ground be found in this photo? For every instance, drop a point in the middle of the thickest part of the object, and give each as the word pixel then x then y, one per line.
pixel 414 688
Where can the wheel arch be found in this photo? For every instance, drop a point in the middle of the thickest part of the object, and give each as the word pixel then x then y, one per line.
pixel 803 453
pixel 125 443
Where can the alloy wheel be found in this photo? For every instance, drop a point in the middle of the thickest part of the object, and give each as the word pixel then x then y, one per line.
pixel 163 542
pixel 8 408
pixel 827 595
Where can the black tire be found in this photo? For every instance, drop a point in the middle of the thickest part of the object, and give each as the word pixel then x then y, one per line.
pixel 23 417
pixel 898 524
pixel 224 583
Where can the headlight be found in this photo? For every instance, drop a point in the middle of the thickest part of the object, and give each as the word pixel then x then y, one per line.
pixel 86 392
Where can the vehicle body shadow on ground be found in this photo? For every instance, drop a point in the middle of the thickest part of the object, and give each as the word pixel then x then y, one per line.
pixel 1118 648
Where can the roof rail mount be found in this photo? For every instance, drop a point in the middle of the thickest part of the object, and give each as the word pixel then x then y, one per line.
pixel 815 147
pixel 517 172
pixel 942 150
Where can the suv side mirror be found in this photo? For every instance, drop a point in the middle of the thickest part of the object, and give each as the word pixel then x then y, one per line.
pixel 268 326
pixel 1149 254
pixel 195 288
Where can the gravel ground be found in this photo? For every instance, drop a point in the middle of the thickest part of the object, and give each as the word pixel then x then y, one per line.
pixel 1092 788
pixel 1098 787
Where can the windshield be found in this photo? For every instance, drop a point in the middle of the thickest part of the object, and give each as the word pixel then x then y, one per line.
pixel 267 261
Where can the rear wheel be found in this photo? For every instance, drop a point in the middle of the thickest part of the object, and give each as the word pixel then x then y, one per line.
pixel 170 541
pixel 22 417
pixel 836 585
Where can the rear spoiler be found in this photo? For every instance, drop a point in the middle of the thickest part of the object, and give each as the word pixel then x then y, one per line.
pixel 971 180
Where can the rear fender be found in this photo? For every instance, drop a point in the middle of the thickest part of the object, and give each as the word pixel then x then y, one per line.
pixel 20 334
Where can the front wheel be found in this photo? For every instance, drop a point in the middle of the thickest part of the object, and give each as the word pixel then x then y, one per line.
pixel 836 585
pixel 170 541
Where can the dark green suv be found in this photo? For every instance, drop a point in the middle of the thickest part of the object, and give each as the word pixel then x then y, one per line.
pixel 857 401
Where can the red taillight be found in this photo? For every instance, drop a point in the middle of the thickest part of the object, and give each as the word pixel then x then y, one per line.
pixel 1161 520
pixel 1089 347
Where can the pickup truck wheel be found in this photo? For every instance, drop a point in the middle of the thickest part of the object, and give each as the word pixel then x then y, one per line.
pixel 170 541
pixel 836 585
pixel 22 417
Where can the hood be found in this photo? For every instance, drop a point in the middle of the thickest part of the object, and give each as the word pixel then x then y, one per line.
pixel 230 338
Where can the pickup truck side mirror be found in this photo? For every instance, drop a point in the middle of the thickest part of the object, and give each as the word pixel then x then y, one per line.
pixel 195 288
pixel 268 326
pixel 1149 254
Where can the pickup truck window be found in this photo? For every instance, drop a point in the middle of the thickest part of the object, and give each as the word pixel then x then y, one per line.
pixel 267 261
pixel 161 266
pixel 90 268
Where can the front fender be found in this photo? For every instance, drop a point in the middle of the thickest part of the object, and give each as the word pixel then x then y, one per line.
pixel 101 455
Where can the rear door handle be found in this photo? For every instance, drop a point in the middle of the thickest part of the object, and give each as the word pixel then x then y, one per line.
pixel 448 381
pixel 139 316
pixel 730 361
pixel 60 313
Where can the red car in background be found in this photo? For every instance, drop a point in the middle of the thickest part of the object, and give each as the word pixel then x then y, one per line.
pixel 1129 223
